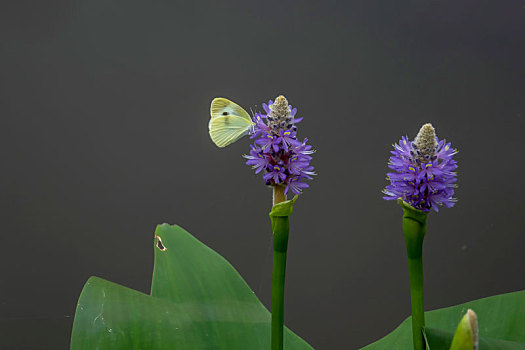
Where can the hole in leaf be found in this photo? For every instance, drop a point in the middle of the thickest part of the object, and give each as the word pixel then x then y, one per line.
pixel 159 244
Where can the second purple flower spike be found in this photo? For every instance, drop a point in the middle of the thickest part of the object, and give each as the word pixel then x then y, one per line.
pixel 424 174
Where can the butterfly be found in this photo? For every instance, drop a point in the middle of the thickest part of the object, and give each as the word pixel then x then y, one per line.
pixel 229 122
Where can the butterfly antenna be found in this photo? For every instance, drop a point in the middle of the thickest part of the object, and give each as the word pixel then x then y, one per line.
pixel 253 118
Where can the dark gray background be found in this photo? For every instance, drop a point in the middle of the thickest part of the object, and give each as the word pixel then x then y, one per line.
pixel 104 107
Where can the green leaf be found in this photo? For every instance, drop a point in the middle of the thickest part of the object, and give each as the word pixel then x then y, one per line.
pixel 197 301
pixel 283 208
pixel 501 321
pixel 441 339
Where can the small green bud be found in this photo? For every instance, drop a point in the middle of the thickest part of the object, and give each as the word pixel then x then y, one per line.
pixel 466 337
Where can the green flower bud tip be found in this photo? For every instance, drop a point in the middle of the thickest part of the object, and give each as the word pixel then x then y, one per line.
pixel 466 337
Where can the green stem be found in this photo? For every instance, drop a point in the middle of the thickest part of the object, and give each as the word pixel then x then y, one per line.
pixel 279 270
pixel 281 229
pixel 415 272
pixel 414 229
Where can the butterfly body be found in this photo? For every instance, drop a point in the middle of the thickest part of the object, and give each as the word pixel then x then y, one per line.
pixel 229 122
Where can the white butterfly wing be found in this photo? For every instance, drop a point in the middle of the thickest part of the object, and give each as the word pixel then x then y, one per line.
pixel 222 107
pixel 229 122
pixel 225 130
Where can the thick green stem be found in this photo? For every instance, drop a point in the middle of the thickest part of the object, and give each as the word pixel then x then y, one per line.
pixel 414 229
pixel 415 272
pixel 281 230
pixel 279 269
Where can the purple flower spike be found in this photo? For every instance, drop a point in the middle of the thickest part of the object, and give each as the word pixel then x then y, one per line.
pixel 284 159
pixel 424 174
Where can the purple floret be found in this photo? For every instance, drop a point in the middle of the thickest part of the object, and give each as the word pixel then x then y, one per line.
pixel 423 174
pixel 284 159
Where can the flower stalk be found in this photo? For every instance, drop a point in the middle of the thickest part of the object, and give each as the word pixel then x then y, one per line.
pixel 280 232
pixel 278 194
pixel 284 162
pixel 423 179
pixel 414 229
